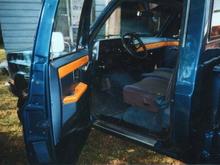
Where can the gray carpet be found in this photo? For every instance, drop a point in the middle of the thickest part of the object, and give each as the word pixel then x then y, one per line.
pixel 154 122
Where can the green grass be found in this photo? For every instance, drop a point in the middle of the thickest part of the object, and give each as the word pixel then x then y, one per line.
pixel 100 148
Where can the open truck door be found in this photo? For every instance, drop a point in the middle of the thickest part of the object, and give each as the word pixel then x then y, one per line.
pixel 56 117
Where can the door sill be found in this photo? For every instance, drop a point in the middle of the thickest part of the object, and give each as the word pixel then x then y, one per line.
pixel 111 128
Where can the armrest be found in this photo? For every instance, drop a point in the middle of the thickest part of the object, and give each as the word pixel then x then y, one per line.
pixel 78 90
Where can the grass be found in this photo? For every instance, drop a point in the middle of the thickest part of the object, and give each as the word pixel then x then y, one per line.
pixel 2 55
pixel 11 141
pixel 105 149
pixel 99 149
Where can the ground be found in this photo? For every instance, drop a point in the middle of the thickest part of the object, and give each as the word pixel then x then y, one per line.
pixel 2 54
pixel 99 149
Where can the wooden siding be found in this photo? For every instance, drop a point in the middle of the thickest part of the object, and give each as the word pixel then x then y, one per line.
pixel 100 5
pixel 19 19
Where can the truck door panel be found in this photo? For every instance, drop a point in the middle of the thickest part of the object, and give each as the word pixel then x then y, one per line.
pixel 73 88
pixel 56 117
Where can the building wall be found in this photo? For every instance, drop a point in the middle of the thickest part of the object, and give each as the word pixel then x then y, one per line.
pixel 100 5
pixel 1 40
pixel 18 19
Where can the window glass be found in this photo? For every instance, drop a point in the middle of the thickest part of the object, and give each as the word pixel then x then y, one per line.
pixel 97 8
pixel 146 18
pixel 66 26
pixel 215 24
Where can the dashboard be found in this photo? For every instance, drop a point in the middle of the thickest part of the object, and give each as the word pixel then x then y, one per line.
pixel 110 55
pixel 106 47
pixel 115 47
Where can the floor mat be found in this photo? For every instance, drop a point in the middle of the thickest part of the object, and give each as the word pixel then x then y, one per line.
pixel 154 122
pixel 107 99
pixel 107 104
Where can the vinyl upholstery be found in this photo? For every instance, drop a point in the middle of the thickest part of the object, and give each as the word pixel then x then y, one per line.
pixel 145 93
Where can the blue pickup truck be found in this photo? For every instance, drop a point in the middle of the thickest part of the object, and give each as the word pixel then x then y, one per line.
pixel 144 70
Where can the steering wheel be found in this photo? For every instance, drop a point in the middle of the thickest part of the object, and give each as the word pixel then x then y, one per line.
pixel 134 45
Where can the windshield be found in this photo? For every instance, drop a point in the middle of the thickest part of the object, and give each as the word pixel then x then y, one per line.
pixel 139 17
pixel 143 18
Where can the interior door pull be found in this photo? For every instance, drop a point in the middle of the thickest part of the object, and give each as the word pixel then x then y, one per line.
pixel 78 90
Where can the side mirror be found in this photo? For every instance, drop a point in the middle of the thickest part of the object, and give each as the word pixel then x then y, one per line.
pixel 57 44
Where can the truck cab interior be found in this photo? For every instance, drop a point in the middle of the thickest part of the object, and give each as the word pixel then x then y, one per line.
pixel 134 66
pixel 134 53
pixel 131 69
